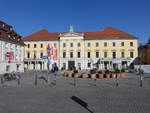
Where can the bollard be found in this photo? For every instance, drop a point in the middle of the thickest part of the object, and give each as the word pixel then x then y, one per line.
pixel 95 81
pixel 74 80
pixel 141 80
pixel 18 81
pixel 55 78
pixel 2 81
pixel 35 80
pixel 117 83
pixel 18 78
pixel 48 79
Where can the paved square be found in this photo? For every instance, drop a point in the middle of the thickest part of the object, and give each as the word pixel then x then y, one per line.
pixel 100 96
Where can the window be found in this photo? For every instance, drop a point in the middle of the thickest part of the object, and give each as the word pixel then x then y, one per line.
pixel 64 44
pixel 122 54
pixel 71 44
pixel 105 54
pixel 34 54
pixel 79 44
pixel 64 54
pixel 88 64
pixel 131 43
pixel 89 44
pixel 64 65
pixel 28 45
pixel 8 68
pixel 105 44
pixel 97 44
pixel 114 54
pixel 41 54
pixel 97 54
pixel 113 44
pixel 131 54
pixel 71 54
pixel 34 45
pixel 41 45
pixel 89 54
pixel 28 55
pixel 79 55
pixel 122 43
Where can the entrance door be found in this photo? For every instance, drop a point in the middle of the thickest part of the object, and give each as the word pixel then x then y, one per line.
pixel 71 64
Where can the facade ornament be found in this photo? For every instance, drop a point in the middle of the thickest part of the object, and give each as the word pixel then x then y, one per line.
pixel 71 29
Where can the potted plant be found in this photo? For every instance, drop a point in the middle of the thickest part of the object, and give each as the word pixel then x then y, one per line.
pixel 113 74
pixel 84 75
pixel 93 73
pixel 76 73
pixel 100 75
pixel 107 73
pixel 70 74
pixel 65 74
pixel 122 73
pixel 117 72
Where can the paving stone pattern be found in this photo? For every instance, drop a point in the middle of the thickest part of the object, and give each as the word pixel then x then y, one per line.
pixel 101 96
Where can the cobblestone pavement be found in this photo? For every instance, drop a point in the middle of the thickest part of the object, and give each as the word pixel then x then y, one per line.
pixel 100 96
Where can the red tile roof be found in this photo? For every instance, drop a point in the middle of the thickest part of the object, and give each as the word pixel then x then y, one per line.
pixel 108 33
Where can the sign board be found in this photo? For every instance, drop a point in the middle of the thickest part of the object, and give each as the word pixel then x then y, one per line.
pixel 8 54
pixel 44 57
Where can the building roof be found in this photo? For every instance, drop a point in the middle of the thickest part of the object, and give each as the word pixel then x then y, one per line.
pixel 108 33
pixel 9 35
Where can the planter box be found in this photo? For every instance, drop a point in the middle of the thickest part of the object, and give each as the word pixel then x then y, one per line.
pixel 118 74
pixel 113 75
pixel 107 75
pixel 84 76
pixel 65 74
pixel 122 74
pixel 100 75
pixel 76 75
pixel 93 75
pixel 70 74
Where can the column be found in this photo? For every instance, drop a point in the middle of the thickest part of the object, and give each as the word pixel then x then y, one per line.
pixel 29 65
pixel 43 66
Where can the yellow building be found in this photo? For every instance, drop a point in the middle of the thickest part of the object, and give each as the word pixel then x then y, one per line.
pixel 106 49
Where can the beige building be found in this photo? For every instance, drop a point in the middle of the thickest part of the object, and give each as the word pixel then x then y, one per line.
pixel 106 49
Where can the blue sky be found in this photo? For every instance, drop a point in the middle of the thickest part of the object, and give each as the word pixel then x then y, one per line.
pixel 28 16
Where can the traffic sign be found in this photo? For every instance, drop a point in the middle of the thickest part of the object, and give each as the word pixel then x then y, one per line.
pixel 44 57
pixel 8 54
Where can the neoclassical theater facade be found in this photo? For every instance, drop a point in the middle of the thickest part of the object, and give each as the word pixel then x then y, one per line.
pixel 106 49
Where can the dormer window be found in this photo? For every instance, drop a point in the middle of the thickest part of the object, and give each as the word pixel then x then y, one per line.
pixel 3 25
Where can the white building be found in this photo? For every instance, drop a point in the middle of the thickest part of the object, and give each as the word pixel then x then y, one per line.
pixel 11 50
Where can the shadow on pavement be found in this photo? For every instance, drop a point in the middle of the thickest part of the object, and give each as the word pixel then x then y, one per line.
pixel 81 102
